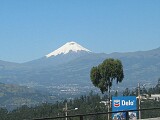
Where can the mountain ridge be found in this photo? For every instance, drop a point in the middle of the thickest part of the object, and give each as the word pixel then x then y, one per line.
pixel 140 65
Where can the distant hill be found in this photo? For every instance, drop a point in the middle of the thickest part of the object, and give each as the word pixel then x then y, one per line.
pixel 4 65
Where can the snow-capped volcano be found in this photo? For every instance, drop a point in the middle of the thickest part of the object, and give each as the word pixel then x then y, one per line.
pixel 68 47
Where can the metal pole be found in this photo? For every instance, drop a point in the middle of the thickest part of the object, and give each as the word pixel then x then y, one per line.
pixel 108 100
pixel 127 115
pixel 66 110
pixel 81 117
pixel 108 112
pixel 139 100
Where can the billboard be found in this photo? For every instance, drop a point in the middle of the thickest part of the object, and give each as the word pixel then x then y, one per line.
pixel 124 103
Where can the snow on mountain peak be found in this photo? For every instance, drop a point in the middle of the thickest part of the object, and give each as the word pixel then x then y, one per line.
pixel 69 46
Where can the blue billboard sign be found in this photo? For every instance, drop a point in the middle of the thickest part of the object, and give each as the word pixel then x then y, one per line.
pixel 124 103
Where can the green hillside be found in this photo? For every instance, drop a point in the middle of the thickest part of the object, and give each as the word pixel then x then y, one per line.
pixel 13 96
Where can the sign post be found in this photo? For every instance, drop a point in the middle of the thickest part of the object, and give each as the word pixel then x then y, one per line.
pixel 124 103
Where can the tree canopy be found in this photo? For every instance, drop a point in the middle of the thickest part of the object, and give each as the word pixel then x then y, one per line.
pixel 103 75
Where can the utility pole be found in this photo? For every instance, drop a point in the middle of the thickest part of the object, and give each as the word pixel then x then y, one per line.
pixel 66 110
pixel 139 100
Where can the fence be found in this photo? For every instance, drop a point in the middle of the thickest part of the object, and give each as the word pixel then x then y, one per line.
pixel 81 116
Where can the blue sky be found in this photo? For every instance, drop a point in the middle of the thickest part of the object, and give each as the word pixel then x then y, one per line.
pixel 30 29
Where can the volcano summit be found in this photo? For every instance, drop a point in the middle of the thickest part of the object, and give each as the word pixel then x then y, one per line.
pixel 68 47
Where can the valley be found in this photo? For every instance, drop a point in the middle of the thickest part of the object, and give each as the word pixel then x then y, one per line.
pixel 67 74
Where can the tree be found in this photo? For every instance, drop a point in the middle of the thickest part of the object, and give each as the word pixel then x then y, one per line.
pixel 126 92
pixel 116 93
pixel 103 75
